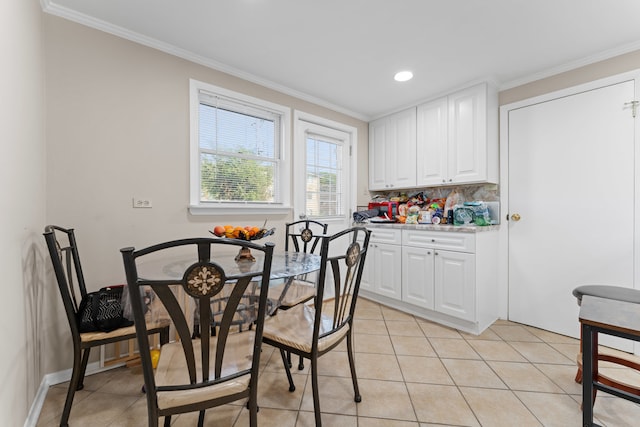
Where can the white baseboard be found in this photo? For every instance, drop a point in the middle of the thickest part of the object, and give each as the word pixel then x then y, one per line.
pixel 57 378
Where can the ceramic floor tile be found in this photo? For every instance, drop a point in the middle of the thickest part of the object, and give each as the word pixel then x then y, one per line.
pixel 472 373
pixel 434 330
pixel 406 373
pixel 496 350
pixel 336 396
pixel 404 328
pixel 412 346
pixel 499 408
pixel 307 419
pixel 524 376
pixel 569 350
pixel 563 376
pixel 385 399
pixel 393 314
pixel 539 352
pixel 378 367
pixel 441 404
pixel 487 334
pixel 365 343
pixel 377 422
pixel 366 326
pixel 267 417
pixel 551 337
pixel 453 348
pixel 335 364
pixel 552 410
pixel 273 391
pixel 418 369
pixel 514 332
pixel 100 409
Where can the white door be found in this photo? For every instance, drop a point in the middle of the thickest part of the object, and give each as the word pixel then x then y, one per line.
pixel 571 181
pixel 324 171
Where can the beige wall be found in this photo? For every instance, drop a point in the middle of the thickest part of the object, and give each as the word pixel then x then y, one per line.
pixel 588 73
pixel 22 185
pixel 118 127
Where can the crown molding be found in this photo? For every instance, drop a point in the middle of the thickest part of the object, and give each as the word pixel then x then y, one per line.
pixel 63 12
pixel 573 65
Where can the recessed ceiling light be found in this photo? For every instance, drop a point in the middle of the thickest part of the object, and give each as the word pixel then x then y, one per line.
pixel 403 76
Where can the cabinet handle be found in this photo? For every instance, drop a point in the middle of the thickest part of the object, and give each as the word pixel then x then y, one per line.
pixel 450 179
pixel 436 253
pixel 428 253
pixel 433 240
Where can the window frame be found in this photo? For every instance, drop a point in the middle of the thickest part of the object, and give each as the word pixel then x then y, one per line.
pixel 196 207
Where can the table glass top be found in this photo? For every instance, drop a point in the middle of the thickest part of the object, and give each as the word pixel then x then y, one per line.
pixel 284 265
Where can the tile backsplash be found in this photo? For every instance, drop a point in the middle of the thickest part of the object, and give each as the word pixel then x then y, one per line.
pixel 484 192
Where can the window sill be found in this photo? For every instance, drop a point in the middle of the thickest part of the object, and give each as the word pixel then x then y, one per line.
pixel 244 209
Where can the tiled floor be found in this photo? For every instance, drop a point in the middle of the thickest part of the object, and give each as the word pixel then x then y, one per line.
pixel 412 373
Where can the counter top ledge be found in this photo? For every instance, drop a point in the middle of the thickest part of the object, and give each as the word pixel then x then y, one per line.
pixel 435 227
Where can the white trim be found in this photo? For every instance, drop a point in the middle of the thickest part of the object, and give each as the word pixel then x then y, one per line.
pixel 503 273
pixel 284 178
pixel 57 378
pixel 54 9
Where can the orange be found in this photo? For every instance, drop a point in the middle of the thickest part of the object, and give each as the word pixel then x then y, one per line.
pixel 218 230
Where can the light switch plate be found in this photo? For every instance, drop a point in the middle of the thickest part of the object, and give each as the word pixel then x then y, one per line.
pixel 142 203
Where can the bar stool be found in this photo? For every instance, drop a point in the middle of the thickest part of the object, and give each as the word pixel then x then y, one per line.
pixel 617 293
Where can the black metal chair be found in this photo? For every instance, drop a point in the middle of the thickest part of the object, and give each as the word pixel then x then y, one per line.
pixel 312 330
pixel 301 236
pixel 63 250
pixel 195 374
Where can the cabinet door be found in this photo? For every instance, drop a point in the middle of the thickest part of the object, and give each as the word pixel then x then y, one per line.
pixel 400 147
pixel 431 150
pixel 377 160
pixel 418 276
pixel 468 135
pixel 387 270
pixel 455 284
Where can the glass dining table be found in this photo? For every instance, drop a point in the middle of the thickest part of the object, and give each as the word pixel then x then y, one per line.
pixel 285 266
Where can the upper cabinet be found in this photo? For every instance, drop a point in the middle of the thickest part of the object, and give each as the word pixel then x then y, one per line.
pixel 455 139
pixel 392 148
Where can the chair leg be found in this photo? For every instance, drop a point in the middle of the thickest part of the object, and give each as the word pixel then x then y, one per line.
pixel 201 419
pixel 167 421
pixel 289 359
pixel 292 386
pixel 352 365
pixel 301 364
pixel 316 393
pixel 77 375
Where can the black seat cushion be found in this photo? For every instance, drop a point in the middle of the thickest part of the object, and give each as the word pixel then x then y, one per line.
pixel 617 293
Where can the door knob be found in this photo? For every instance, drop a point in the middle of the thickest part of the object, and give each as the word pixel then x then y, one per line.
pixel 515 217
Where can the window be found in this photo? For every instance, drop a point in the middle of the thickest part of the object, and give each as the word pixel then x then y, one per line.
pixel 324 177
pixel 238 153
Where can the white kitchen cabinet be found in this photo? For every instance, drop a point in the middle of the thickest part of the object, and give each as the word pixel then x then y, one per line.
pixel 457 138
pixel 448 277
pixel 455 284
pixel 418 276
pixel 383 266
pixel 392 148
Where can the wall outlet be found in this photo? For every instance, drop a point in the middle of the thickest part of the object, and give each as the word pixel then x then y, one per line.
pixel 142 203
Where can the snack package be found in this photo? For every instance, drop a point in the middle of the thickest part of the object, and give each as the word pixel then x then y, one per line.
pixel 480 212
pixel 413 214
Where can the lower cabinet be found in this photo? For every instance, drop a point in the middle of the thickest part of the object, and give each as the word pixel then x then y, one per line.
pixel 447 277
pixel 383 264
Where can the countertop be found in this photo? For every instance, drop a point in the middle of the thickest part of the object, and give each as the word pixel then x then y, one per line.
pixel 433 227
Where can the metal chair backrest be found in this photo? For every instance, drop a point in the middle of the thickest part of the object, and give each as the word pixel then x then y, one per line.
pixel 344 273
pixel 63 249
pixel 203 279
pixel 304 235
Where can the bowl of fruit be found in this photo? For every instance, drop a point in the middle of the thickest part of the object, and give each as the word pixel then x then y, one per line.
pixel 242 233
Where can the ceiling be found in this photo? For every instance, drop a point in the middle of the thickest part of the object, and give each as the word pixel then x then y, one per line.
pixel 343 53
